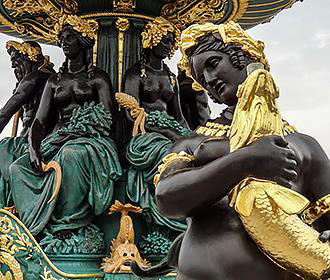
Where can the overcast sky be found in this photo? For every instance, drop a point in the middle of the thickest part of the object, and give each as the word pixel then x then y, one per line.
pixel 298 47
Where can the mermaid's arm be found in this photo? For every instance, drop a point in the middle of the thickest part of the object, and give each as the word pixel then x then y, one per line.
pixel 184 190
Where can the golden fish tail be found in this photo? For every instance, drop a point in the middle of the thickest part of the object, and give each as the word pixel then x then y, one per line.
pixel 285 238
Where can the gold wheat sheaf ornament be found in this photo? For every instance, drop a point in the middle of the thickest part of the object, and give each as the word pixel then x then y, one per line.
pixel 137 113
pixel 269 212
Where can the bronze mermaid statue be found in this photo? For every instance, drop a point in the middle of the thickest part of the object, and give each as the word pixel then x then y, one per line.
pixel 204 177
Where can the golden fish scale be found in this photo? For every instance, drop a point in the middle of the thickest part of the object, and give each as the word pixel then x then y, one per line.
pixel 285 238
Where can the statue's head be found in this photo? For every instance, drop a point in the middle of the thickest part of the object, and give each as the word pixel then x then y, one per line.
pixel 161 37
pixel 74 33
pixel 28 50
pixel 216 57
pixel 27 56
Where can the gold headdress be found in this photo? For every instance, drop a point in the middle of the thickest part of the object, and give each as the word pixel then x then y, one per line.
pixel 154 31
pixel 25 48
pixel 85 27
pixel 231 33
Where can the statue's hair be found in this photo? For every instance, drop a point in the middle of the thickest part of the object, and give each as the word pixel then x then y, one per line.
pixel 87 45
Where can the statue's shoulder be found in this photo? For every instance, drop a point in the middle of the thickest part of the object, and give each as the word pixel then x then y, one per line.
pixel 309 147
pixel 52 79
pixel 134 69
pixel 98 72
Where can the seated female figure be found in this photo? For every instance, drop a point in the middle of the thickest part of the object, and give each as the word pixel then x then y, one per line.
pixel 196 180
pixel 80 141
pixel 156 90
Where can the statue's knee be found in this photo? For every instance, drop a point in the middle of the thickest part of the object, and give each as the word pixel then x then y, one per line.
pixel 73 153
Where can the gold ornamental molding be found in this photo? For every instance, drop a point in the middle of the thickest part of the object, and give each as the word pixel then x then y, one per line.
pixel 26 242
pixel 53 8
pixel 115 14
pixel 122 24
pixel 124 5
pixel 184 12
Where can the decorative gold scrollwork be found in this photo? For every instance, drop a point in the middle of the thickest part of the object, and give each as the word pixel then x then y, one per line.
pixel 46 14
pixel 184 12
pixel 18 7
pixel 51 7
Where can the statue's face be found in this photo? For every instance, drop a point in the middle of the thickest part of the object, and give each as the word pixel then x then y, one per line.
pixel 69 43
pixel 17 61
pixel 15 57
pixel 215 72
pixel 164 47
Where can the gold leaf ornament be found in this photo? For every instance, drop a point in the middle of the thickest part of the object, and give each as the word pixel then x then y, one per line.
pixel 24 48
pixel 155 30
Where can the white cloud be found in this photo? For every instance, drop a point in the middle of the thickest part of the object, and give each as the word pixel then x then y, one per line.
pixel 322 38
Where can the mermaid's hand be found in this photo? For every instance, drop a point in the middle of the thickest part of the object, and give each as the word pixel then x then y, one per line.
pixel 272 159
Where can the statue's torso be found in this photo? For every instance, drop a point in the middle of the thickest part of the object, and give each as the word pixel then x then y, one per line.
pixel 71 92
pixel 216 245
pixel 157 90
pixel 30 108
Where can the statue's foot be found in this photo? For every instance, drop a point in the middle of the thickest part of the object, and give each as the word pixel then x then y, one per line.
pixel 11 209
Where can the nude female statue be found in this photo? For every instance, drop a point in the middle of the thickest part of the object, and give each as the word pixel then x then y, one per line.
pixel 200 171
pixel 80 99
pixel 150 80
